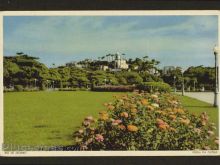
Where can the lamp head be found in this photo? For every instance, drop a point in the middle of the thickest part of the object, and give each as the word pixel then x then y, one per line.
pixel 216 50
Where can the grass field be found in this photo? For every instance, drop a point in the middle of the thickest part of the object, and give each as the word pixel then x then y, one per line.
pixel 49 118
pixel 197 107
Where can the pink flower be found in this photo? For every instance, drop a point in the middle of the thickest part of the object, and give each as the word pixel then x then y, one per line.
pixel 89 118
pixel 197 130
pixel 81 131
pixel 116 122
pixel 99 137
pixel 211 133
pixel 86 123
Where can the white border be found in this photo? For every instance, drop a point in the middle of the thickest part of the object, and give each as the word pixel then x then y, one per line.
pixel 97 13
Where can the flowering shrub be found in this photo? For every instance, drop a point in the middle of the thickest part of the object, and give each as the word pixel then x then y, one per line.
pixel 146 122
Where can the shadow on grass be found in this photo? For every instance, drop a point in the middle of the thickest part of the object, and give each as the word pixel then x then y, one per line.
pixel 198 106
pixel 40 126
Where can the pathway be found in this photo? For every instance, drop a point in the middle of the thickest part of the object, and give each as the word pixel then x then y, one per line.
pixel 203 96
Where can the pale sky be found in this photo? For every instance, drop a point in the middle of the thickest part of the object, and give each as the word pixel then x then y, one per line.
pixel 173 40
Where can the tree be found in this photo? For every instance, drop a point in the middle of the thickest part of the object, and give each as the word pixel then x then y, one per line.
pixel 22 69
pixel 205 76
pixel 132 78
pixel 97 77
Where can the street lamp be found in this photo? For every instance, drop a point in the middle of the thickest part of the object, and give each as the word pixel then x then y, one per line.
pixel 216 94
pixel 53 84
pixel 47 84
pixel 105 81
pixel 194 85
pixel 183 91
pixel 174 84
pixel 35 82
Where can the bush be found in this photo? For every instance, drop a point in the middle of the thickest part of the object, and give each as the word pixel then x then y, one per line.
pixel 43 86
pixel 72 89
pixel 67 89
pixel 8 90
pixel 30 89
pixel 109 88
pixel 146 122
pixel 154 87
pixel 18 88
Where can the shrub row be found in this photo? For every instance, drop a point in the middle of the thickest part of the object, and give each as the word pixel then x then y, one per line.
pixel 145 86
pixel 108 88
pixel 72 89
pixel 154 87
pixel 146 122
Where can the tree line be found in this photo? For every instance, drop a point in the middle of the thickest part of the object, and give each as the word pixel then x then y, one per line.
pixel 27 71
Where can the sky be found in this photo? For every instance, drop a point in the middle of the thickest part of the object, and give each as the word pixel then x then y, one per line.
pixel 173 40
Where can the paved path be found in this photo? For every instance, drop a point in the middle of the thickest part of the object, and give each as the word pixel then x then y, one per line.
pixel 203 96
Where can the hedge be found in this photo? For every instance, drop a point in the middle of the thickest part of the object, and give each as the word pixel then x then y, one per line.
pixel 72 89
pixel 154 87
pixel 18 88
pixel 108 88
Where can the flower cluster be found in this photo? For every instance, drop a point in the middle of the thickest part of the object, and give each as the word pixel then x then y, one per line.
pixel 145 121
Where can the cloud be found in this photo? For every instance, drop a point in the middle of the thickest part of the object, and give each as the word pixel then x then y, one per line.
pixel 135 36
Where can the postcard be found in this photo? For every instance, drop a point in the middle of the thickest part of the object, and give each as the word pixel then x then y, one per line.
pixel 109 83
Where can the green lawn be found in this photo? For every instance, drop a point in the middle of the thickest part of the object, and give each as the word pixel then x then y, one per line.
pixel 48 118
pixel 197 107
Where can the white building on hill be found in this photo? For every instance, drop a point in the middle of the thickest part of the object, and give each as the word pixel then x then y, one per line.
pixel 120 62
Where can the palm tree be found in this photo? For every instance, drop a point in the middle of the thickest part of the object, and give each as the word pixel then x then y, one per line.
pixel 112 55
pixel 145 57
pixel 19 53
pixel 108 55
pixel 102 57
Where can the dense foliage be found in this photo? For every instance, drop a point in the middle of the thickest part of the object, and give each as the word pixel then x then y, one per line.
pixel 110 88
pixel 146 122
pixel 27 71
pixel 154 87
pixel 194 78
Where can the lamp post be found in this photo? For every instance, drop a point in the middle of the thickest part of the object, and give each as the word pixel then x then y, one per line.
pixel 183 91
pixel 47 84
pixel 105 81
pixel 174 83
pixel 35 84
pixel 216 94
pixel 194 85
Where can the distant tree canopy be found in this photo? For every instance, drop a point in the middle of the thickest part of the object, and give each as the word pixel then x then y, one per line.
pixel 202 76
pixel 22 70
pixel 27 71
pixel 194 77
